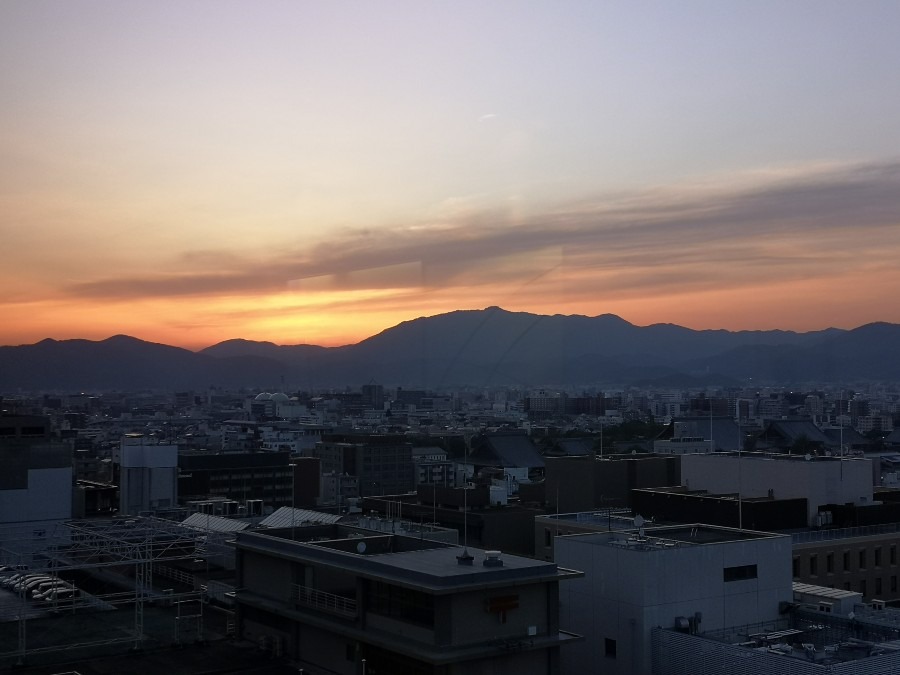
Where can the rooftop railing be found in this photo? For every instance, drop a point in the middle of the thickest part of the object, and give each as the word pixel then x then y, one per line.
pixel 324 602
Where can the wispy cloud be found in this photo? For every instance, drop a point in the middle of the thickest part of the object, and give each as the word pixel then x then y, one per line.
pixel 796 226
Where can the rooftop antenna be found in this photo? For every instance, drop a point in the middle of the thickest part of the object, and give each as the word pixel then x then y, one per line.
pixel 465 558
pixel 740 503
pixel 841 412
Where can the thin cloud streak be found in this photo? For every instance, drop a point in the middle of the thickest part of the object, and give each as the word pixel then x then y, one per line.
pixel 798 227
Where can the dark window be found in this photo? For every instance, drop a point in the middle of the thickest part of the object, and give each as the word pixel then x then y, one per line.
pixel 829 563
pixel 893 554
pixel 878 586
pixel 401 603
pixel 610 648
pixel 878 557
pixel 862 559
pixel 847 561
pixel 740 573
pixel 813 565
pixel 796 568
pixel 862 587
pixel 548 538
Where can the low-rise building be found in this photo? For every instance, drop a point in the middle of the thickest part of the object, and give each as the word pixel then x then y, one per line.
pixel 342 601
pixel 689 577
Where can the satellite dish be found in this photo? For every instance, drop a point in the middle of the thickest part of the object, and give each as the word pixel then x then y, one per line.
pixel 639 520
pixel 807 457
pixel 361 547
pixel 851 615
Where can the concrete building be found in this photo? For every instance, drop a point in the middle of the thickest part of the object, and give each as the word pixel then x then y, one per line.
pixel 472 512
pixel 821 480
pixel 36 476
pixel 821 631
pixel 346 602
pixel 589 482
pixel 692 577
pixel 863 560
pixel 382 463
pixel 432 466
pixel 266 476
pixel 699 434
pixel 148 475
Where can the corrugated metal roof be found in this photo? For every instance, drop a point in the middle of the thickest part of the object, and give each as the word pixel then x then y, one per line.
pixel 290 517
pixel 202 521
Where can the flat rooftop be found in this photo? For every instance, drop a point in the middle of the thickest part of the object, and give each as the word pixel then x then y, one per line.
pixel 782 457
pixel 821 639
pixel 407 561
pixel 670 536
pixel 610 519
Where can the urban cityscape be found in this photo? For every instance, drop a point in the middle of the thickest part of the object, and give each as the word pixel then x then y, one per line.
pixel 457 529
pixel 417 338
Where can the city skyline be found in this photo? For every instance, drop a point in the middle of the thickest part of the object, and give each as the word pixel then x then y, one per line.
pixel 308 173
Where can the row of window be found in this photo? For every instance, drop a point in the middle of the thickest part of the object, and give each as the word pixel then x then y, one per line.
pixel 863 587
pixel 862 559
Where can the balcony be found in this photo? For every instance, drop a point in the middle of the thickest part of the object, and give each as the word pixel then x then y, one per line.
pixel 324 602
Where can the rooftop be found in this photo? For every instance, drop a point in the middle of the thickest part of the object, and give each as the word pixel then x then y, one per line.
pixel 666 537
pixel 406 561
pixel 820 638
pixel 782 457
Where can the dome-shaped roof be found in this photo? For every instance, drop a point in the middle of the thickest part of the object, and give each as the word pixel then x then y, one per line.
pixel 281 397
pixel 264 396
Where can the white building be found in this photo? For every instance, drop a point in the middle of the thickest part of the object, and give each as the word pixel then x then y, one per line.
pixel 148 475
pixel 692 577
pixel 35 473
pixel 822 480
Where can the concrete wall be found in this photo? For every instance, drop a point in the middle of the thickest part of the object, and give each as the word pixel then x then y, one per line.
pixel 627 592
pixel 48 497
pixel 473 624
pixel 827 481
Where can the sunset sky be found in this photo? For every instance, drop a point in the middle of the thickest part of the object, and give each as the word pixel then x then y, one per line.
pixel 190 171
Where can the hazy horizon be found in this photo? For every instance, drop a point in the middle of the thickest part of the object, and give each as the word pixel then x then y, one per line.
pixel 201 347
pixel 303 172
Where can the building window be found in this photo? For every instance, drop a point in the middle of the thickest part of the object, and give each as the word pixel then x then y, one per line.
pixel 846 561
pixel 862 587
pixel 796 568
pixel 878 557
pixel 740 573
pixel 829 563
pixel 401 603
pixel 893 554
pixel 548 537
pixel 813 565
pixel 878 586
pixel 610 649
pixel 862 559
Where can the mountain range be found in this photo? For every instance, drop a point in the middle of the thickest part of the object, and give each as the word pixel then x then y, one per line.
pixel 471 347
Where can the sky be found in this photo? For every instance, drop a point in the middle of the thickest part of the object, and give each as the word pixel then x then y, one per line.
pixel 315 172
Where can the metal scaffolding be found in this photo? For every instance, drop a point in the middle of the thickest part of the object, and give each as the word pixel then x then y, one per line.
pixel 135 545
